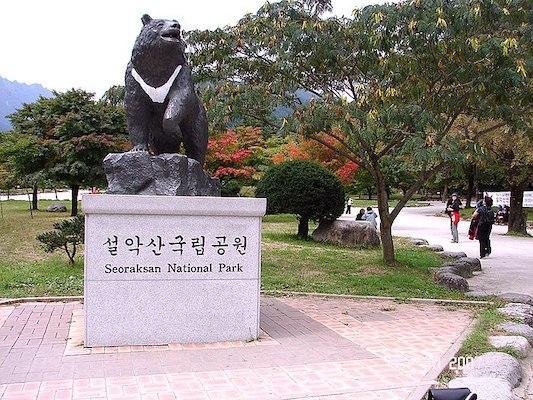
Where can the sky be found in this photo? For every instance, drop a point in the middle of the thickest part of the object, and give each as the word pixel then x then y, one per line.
pixel 64 44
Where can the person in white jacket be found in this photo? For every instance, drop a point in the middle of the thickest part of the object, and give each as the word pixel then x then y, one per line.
pixel 371 217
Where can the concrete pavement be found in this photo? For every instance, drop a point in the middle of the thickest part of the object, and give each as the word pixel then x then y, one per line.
pixel 508 269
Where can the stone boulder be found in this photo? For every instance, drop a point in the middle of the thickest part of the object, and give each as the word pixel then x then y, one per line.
pixel 485 388
pixel 474 262
pixel 453 254
pixel 56 207
pixel 347 233
pixel 459 268
pixel 452 281
pixel 522 312
pixel 516 343
pixel 517 298
pixel 515 328
pixel 495 365
pixel 433 247
pixel 418 242
pixel 165 174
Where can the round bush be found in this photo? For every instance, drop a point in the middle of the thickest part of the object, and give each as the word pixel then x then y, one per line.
pixel 304 188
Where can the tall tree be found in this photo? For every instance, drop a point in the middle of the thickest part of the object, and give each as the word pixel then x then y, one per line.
pixel 79 133
pixel 25 158
pixel 394 78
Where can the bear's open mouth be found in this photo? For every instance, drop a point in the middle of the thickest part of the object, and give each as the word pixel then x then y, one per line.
pixel 171 34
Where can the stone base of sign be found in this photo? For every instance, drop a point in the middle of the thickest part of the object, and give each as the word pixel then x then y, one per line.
pixel 162 269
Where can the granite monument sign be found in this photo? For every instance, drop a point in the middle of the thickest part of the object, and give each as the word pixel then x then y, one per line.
pixel 166 259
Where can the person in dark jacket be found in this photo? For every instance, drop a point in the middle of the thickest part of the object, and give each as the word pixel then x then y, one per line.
pixel 485 217
pixel 361 215
pixel 452 209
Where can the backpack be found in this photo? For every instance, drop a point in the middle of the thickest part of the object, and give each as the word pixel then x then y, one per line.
pixel 486 216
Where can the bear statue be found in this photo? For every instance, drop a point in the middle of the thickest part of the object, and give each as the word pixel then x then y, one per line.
pixel 162 108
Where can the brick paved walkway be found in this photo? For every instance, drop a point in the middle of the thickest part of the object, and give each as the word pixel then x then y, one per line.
pixel 311 348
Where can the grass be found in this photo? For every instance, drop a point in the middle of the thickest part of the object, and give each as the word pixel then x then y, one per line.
pixel 466 213
pixel 288 263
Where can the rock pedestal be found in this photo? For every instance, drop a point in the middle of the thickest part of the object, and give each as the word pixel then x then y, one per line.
pixel 161 175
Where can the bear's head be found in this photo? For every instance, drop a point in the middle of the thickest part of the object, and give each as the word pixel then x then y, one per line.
pixel 159 39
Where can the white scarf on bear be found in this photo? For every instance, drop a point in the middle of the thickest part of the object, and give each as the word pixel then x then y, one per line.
pixel 158 94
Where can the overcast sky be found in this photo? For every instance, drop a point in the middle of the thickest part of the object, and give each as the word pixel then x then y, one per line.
pixel 86 44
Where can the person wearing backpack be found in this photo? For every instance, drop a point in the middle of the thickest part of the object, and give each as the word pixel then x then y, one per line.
pixel 485 217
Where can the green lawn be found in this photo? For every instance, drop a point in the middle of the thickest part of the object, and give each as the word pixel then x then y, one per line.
pixel 466 213
pixel 288 263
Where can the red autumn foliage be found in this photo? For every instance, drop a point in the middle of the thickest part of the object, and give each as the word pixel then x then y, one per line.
pixel 308 149
pixel 230 154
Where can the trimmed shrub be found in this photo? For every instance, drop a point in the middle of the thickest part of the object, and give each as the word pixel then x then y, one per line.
pixel 304 188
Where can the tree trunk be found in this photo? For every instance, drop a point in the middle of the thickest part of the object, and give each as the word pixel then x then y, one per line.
pixel 385 226
pixel 471 171
pixel 74 199
pixel 369 192
pixel 445 193
pixel 303 227
pixel 34 197
pixel 517 216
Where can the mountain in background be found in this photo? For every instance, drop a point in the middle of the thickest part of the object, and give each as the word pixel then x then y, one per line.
pixel 13 95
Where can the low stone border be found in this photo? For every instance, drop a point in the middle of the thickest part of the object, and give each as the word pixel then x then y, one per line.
pixel 43 299
pixel 274 293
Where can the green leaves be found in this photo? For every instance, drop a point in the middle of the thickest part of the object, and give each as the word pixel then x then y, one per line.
pixel 67 137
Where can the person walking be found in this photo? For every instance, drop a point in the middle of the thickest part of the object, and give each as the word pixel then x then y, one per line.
pixel 360 215
pixel 485 217
pixel 452 209
pixel 371 217
pixel 349 205
pixel 472 230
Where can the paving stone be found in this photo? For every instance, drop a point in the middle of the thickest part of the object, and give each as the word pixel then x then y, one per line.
pixel 522 312
pixel 495 365
pixel 518 329
pixel 485 388
pixel 517 343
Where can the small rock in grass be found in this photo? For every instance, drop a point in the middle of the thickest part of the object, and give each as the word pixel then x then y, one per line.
pixel 522 312
pixel 495 365
pixel 517 298
pixel 516 343
pixel 459 268
pixel 474 262
pixel 418 242
pixel 518 329
pixel 433 247
pixel 485 388
pixel 452 281
pixel 56 207
pixel 453 254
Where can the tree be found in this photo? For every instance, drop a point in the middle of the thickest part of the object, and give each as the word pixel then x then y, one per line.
pixel 302 148
pixel 233 157
pixel 25 157
pixel 394 78
pixel 510 150
pixel 304 188
pixel 67 236
pixel 77 132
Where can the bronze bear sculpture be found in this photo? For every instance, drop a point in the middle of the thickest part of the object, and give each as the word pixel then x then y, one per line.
pixel 162 108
